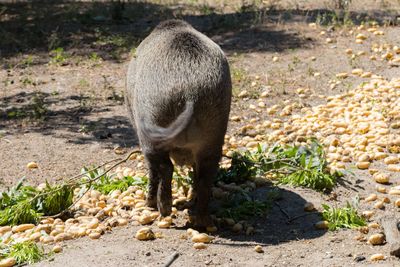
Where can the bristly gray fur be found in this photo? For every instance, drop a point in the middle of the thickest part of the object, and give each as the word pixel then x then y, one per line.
pixel 178 96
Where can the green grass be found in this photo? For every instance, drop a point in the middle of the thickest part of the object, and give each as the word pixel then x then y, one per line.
pixel 58 56
pixel 24 253
pixel 346 217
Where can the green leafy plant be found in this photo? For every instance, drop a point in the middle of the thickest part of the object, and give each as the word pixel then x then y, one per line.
pixel 346 217
pixel 308 167
pixel 26 204
pixel 108 183
pixel 241 205
pixel 182 181
pixel 26 252
pixel 294 165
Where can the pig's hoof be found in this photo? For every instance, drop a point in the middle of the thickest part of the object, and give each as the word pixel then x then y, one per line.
pixel 164 209
pixel 200 222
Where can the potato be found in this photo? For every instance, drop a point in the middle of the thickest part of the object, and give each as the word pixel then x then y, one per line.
pixel 362 165
pixel 47 239
pixel 192 232
pixel 57 249
pixel 394 192
pixel 371 197
pixel 145 234
pixel 94 235
pixel 164 224
pixel 381 189
pixel 258 249
pixel 322 225
pixel 237 227
pixel 374 225
pixel 377 257
pixel 382 178
pixel 62 236
pixel 5 229
pixel 22 228
pixel 391 160
pixel 8 262
pixel 368 214
pixel 379 205
pixel 394 167
pixel 145 219
pixel 199 246
pixel 122 222
pixel 32 165
pixel 376 239
pixel 201 238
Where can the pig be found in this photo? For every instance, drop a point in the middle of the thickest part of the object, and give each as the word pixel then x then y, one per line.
pixel 178 96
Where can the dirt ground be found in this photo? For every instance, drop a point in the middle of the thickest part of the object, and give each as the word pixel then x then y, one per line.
pixel 63 108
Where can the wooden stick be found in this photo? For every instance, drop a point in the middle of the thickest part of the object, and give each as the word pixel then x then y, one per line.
pixel 392 233
pixel 171 259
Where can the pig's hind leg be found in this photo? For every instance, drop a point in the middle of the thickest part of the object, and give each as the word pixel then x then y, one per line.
pixel 159 188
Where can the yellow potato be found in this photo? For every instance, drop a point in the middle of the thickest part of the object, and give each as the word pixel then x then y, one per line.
pixel 377 257
pixel 8 262
pixel 258 249
pixel 201 238
pixel 145 234
pixel 32 165
pixel 199 246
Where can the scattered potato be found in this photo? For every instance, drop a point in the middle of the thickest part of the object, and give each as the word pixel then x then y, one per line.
pixel 145 234
pixel 371 197
pixel 32 165
pixel 8 262
pixel 258 249
pixel 201 238
pixel 377 257
pixel 199 246
pixel 376 239
pixel 22 228
pixel 94 235
pixel 322 225
pixel 368 214
pixel 57 249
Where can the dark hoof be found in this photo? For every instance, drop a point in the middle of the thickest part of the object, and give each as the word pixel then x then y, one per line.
pixel 200 222
pixel 165 209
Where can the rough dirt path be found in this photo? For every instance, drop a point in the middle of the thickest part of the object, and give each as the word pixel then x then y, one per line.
pixel 86 120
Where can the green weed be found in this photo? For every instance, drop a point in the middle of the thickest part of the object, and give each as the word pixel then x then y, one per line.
pixel 346 217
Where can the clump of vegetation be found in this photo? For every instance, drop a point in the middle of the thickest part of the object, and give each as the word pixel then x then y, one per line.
pixel 294 165
pixel 26 252
pixel 58 56
pixel 26 204
pixel 241 205
pixel 346 217
pixel 107 183
pixel 246 209
pixel 308 167
pixel 35 110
